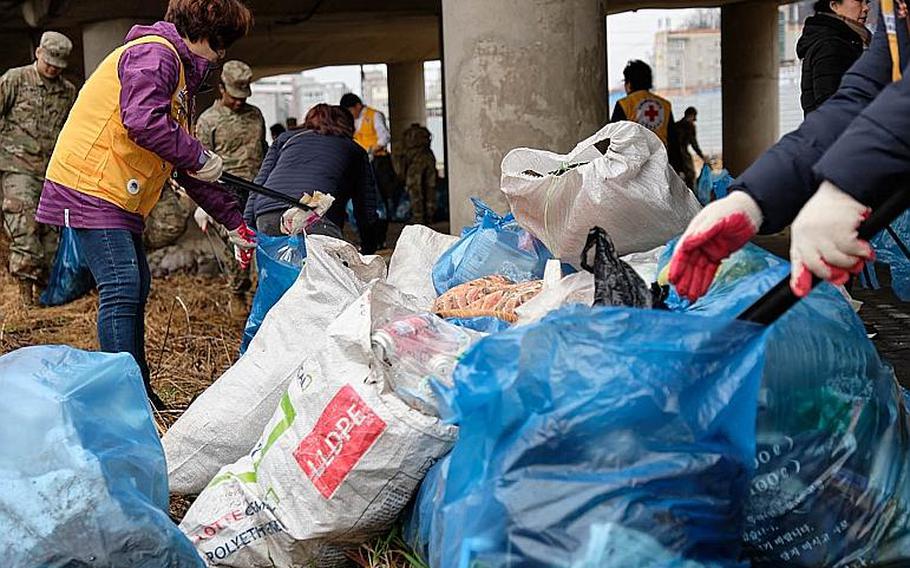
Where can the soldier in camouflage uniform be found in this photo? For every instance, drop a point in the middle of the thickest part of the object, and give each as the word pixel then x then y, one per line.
pixel 416 167
pixel 235 130
pixel 34 103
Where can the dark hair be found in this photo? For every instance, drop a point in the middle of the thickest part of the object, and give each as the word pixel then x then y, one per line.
pixel 330 120
pixel 350 100
pixel 277 129
pixel 690 112
pixel 638 74
pixel 823 6
pixel 221 22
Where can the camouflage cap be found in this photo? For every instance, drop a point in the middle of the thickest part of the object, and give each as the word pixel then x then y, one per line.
pixel 236 76
pixel 56 48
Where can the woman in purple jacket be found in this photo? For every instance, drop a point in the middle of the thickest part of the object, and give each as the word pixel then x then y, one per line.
pixel 127 134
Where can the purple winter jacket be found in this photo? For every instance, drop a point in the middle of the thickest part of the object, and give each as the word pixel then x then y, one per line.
pixel 148 74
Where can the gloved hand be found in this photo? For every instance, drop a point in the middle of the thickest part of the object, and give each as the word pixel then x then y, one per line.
pixel 211 170
pixel 202 219
pixel 719 230
pixel 244 240
pixel 295 221
pixel 824 240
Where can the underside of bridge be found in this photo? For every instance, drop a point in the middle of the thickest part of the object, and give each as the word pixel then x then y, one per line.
pixel 517 72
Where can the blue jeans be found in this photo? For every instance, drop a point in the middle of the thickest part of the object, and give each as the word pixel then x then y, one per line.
pixel 117 260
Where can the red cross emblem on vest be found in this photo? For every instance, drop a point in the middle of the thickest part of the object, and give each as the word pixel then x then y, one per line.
pixel 650 114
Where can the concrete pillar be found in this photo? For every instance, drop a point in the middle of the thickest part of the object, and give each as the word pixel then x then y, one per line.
pixel 101 38
pixel 517 73
pixel 749 79
pixel 407 97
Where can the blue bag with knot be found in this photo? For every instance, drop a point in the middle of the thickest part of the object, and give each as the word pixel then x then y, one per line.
pixel 279 261
pixel 712 185
pixel 83 480
pixel 494 245
pixel 890 252
pixel 71 278
pixel 833 432
pixel 604 437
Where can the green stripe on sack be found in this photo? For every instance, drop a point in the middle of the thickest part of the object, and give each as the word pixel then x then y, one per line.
pixel 245 477
pixel 289 415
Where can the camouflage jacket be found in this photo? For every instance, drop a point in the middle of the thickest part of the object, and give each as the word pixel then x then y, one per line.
pixel 238 137
pixel 32 112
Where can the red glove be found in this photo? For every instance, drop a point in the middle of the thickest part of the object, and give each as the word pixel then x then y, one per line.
pixel 719 230
pixel 244 240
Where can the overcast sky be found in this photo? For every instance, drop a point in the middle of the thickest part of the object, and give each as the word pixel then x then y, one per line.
pixel 629 35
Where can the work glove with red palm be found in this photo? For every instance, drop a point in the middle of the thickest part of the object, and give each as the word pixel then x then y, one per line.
pixel 824 239
pixel 719 230
pixel 244 241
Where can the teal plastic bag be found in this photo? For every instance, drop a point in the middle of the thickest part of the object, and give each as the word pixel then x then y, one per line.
pixel 711 185
pixel 83 480
pixel 279 261
pixel 833 432
pixel 593 430
pixel 71 278
pixel 494 245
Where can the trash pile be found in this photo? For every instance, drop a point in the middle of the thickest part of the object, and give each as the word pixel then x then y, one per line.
pixel 531 393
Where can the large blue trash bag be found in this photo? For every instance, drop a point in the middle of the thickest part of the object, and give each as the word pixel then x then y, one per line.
pixel 591 430
pixel 279 261
pixel 888 252
pixel 83 480
pixel 833 453
pixel 494 245
pixel 71 277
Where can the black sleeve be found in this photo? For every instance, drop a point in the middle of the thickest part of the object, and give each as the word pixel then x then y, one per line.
pixel 365 196
pixel 828 63
pixel 618 114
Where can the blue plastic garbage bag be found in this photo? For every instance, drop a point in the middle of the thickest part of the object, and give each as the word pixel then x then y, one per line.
pixel 833 432
pixel 485 324
pixel 591 429
pixel 889 252
pixel 83 480
pixel 494 245
pixel 70 277
pixel 279 261
pixel 712 185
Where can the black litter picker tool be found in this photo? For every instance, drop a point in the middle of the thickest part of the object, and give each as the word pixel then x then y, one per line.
pixel 238 182
pixel 776 301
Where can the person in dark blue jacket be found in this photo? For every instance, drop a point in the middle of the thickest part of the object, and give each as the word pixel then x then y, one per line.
pixel 320 156
pixel 846 157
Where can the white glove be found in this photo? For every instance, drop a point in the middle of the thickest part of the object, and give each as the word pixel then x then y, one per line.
pixel 295 221
pixel 202 219
pixel 824 239
pixel 211 170
pixel 243 237
pixel 719 230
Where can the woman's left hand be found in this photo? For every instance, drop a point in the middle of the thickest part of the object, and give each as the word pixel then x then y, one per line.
pixel 244 240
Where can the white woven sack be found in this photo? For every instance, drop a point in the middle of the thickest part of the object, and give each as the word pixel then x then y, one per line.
pixel 411 266
pixel 226 420
pixel 630 191
pixel 335 466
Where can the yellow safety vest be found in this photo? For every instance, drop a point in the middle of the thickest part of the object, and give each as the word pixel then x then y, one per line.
pixel 366 135
pixel 94 154
pixel 650 111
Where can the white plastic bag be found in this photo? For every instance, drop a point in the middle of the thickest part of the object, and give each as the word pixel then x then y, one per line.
pixel 411 266
pixel 645 263
pixel 558 291
pixel 337 463
pixel 226 420
pixel 630 191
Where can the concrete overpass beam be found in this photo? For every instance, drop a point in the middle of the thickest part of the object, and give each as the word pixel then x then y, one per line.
pixel 518 73
pixel 407 98
pixel 749 81
pixel 101 38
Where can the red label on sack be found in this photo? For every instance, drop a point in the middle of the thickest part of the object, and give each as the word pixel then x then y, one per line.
pixel 343 434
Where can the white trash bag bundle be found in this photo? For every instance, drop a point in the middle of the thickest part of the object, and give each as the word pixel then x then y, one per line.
pixel 338 462
pixel 226 420
pixel 618 179
pixel 411 266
